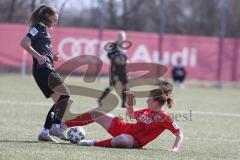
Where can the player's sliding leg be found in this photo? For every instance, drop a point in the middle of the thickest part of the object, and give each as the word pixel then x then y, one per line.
pixel 82 120
pixel 120 141
pixel 102 118
pixel 105 120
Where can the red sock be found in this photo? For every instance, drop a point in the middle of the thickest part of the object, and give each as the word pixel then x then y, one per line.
pixel 104 143
pixel 81 120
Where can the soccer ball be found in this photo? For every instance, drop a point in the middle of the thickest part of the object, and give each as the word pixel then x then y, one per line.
pixel 76 134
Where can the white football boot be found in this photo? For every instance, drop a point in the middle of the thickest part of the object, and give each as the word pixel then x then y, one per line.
pixel 46 138
pixel 59 132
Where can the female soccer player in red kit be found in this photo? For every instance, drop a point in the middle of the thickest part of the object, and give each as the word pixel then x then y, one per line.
pixel 151 122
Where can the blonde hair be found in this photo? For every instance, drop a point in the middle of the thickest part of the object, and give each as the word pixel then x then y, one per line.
pixel 44 14
pixel 163 94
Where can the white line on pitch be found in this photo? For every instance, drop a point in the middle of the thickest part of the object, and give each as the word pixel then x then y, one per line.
pixel 212 139
pixel 25 103
pixel 175 111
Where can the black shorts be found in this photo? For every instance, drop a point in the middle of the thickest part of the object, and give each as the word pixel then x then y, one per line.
pixel 178 78
pixel 42 77
pixel 114 78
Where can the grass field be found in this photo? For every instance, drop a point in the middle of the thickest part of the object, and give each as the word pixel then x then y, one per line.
pixel 212 131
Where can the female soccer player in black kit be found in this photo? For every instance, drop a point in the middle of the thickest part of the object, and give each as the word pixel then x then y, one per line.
pixel 179 74
pixel 118 72
pixel 37 42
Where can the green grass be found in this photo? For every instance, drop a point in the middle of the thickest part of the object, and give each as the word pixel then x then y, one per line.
pixel 213 132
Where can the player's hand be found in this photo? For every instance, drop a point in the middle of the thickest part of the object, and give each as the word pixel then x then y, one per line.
pixel 129 94
pixel 41 59
pixel 56 57
pixel 130 98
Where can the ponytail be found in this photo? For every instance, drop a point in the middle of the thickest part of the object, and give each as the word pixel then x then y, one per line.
pixel 163 94
pixel 170 102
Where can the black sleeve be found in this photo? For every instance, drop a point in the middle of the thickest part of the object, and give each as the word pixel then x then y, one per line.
pixel 173 71
pixel 33 33
pixel 109 55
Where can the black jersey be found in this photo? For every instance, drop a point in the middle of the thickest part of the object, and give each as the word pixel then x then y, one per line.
pixel 41 42
pixel 178 71
pixel 118 61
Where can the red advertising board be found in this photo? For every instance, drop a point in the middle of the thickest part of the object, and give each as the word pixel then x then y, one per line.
pixel 199 54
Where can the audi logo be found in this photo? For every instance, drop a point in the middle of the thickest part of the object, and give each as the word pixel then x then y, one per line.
pixel 71 47
pixel 76 47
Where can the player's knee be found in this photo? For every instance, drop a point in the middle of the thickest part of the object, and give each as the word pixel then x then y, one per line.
pixel 125 141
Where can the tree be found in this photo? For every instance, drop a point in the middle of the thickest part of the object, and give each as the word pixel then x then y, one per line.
pixel 182 16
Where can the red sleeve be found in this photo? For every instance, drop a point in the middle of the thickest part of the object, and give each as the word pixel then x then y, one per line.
pixel 172 126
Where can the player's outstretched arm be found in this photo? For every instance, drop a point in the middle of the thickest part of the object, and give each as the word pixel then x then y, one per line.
pixel 178 141
pixel 130 104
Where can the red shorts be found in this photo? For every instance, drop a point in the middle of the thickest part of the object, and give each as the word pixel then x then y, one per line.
pixel 120 126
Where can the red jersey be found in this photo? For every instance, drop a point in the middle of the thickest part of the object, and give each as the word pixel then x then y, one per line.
pixel 149 125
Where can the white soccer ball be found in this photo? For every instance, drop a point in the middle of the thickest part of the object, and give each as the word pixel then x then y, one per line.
pixel 76 134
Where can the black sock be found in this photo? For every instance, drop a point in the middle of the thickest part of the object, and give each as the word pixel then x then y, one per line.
pixel 123 98
pixel 105 93
pixel 56 120
pixel 60 108
pixel 49 120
